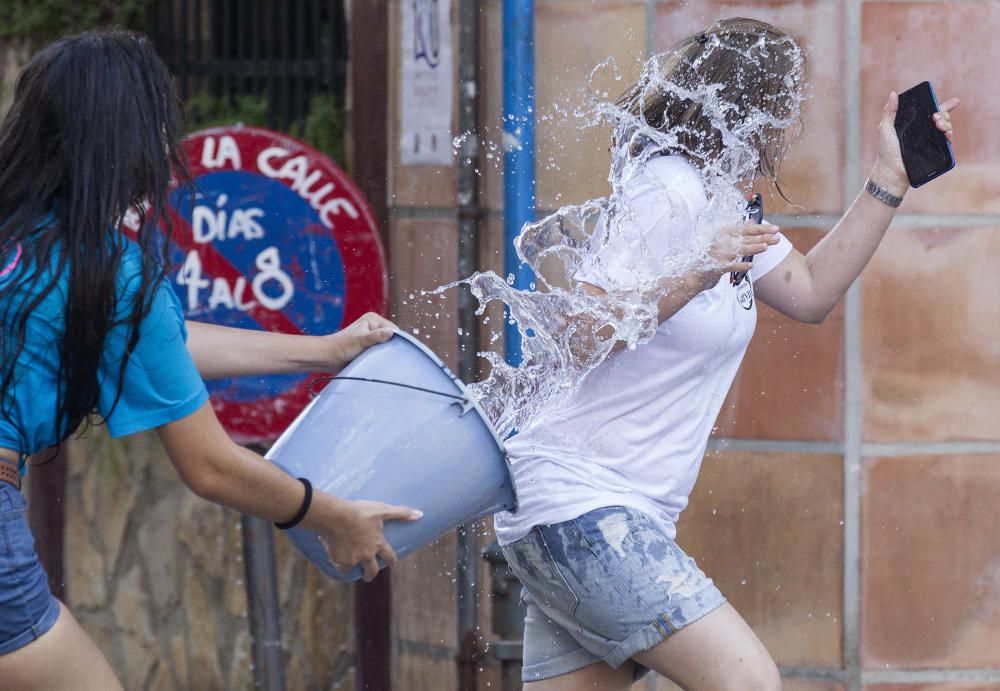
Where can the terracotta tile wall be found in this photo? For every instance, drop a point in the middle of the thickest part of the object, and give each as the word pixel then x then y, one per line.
pixel 900 385
pixel 846 508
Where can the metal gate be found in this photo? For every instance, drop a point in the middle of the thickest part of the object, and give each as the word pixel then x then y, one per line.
pixel 279 54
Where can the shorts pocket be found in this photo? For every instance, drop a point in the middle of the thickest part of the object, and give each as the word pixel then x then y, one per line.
pixel 633 553
pixel 532 563
pixel 13 515
pixel 12 502
pixel 611 533
pixel 18 545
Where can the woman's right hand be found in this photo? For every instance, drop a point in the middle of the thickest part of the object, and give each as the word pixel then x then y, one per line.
pixel 731 245
pixel 345 345
pixel 352 531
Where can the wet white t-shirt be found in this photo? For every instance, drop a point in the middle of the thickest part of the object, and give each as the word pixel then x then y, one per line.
pixel 636 431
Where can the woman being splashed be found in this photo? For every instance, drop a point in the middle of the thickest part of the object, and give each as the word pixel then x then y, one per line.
pixel 88 323
pixel 603 479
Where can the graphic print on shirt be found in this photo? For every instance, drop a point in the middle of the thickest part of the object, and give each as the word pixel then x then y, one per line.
pixel 744 292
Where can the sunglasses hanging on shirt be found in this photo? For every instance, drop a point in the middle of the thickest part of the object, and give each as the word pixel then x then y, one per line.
pixel 755 214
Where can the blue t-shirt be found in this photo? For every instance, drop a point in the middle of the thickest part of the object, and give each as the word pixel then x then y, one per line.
pixel 160 382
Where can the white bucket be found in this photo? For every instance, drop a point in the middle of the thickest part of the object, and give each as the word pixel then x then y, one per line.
pixel 397 426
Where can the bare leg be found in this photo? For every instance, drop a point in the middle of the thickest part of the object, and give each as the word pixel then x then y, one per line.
pixel 599 677
pixel 62 659
pixel 719 652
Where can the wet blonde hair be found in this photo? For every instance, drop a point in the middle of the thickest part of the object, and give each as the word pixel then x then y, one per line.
pixel 755 67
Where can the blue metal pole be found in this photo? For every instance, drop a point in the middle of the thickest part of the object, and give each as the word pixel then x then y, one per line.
pixel 519 144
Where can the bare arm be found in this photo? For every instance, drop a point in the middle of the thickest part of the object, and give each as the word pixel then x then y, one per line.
pixel 218 470
pixel 220 351
pixel 808 287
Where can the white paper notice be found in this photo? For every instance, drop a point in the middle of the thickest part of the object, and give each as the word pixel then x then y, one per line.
pixel 427 74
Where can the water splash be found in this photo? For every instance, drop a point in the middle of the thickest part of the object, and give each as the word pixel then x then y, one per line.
pixel 565 331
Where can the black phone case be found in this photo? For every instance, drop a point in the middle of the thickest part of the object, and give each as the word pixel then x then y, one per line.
pixel 925 149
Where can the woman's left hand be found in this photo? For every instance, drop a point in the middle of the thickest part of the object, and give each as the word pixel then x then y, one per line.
pixel 345 345
pixel 889 169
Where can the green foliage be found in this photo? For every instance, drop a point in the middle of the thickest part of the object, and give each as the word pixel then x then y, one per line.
pixel 204 110
pixel 43 20
pixel 324 126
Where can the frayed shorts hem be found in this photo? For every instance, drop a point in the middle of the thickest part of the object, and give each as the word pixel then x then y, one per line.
pixel 652 635
pixel 642 640
pixel 36 631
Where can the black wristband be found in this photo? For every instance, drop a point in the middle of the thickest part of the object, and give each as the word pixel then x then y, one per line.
pixel 303 510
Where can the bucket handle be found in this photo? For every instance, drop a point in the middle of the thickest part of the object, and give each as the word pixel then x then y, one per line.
pixel 459 399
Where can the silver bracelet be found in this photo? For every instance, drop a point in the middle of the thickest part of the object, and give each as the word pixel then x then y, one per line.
pixel 882 194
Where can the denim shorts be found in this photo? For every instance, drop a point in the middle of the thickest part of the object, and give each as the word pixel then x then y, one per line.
pixel 27 607
pixel 603 587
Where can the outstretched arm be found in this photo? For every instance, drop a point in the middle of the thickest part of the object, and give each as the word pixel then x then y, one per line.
pixel 220 352
pixel 217 469
pixel 808 287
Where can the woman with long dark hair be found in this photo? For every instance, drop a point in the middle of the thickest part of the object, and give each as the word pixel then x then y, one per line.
pixel 602 481
pixel 88 323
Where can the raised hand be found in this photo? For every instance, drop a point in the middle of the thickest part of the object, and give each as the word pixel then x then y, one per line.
pixel 345 345
pixel 731 245
pixel 889 170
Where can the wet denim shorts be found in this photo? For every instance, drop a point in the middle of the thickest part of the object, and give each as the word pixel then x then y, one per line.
pixel 603 587
pixel 27 607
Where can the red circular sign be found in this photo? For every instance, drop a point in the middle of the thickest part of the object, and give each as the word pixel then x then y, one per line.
pixel 275 236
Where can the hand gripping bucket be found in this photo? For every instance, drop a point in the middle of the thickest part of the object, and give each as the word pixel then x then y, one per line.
pixel 397 426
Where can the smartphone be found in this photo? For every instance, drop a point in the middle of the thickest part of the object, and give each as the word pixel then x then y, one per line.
pixel 926 151
pixel 755 214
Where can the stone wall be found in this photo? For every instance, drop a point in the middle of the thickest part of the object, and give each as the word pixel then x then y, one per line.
pixel 156 576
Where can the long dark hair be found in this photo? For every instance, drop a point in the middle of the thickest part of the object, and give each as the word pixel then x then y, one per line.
pixel 755 66
pixel 92 134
